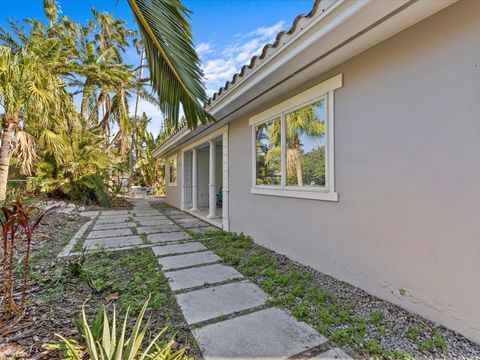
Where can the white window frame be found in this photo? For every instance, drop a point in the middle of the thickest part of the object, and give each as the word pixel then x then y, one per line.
pixel 174 159
pixel 323 91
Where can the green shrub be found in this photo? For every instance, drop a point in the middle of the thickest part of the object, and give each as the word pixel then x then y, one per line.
pixel 91 189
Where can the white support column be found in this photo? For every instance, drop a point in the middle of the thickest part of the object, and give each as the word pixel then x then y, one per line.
pixel 225 220
pixel 212 193
pixel 194 181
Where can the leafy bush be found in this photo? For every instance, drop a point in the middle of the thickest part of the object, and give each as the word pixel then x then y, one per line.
pixel 91 189
pixel 104 341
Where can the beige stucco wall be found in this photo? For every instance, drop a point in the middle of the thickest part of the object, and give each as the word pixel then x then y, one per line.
pixel 407 139
pixel 173 193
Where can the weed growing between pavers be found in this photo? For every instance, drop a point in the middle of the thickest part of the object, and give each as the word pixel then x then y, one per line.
pixel 294 288
pixel 78 247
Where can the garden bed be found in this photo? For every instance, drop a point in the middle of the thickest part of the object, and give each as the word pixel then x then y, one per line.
pixel 59 286
pixel 363 325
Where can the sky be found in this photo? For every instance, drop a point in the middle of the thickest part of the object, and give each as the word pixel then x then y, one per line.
pixel 227 33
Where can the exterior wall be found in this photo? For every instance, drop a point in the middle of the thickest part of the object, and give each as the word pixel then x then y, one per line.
pixel 407 224
pixel 173 194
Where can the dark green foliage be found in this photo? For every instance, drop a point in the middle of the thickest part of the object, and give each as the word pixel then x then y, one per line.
pixel 91 189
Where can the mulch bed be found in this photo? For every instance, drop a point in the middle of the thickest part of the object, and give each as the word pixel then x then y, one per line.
pixel 56 296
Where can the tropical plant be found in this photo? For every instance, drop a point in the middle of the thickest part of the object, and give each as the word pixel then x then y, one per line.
pixel 149 170
pixel 19 216
pixel 28 94
pixel 83 174
pixel 103 341
pixel 175 72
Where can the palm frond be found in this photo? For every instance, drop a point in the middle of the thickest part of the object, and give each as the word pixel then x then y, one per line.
pixel 174 66
pixel 25 150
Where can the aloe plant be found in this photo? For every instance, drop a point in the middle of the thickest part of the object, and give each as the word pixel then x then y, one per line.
pixel 109 344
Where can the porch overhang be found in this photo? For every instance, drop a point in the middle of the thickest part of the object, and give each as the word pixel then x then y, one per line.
pixel 337 31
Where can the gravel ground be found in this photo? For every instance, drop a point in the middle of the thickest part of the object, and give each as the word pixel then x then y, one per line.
pixel 398 320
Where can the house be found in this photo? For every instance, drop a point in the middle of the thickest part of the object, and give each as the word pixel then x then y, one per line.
pixel 352 145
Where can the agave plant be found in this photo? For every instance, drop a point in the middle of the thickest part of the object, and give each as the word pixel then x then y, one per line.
pixel 18 216
pixel 107 344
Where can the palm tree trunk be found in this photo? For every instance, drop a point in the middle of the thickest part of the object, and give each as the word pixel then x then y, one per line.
pixel 8 125
pixel 94 112
pixel 298 161
pixel 84 103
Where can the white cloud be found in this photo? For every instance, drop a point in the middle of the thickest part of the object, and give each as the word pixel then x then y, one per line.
pixel 269 31
pixel 203 48
pixel 219 65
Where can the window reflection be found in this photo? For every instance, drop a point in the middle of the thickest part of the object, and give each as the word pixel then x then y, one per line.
pixel 268 153
pixel 305 145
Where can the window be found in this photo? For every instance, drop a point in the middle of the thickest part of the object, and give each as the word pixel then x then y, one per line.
pixel 172 171
pixel 268 153
pixel 293 146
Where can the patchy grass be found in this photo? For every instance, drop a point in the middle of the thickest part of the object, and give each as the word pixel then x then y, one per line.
pixel 293 287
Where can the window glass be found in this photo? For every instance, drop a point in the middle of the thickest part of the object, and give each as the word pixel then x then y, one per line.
pixel 268 153
pixel 173 171
pixel 305 131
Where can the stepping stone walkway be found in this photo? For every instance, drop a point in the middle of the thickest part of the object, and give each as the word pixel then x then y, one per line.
pixel 229 314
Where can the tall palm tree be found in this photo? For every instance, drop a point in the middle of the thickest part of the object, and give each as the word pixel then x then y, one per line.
pixel 28 93
pixel 174 65
pixel 300 123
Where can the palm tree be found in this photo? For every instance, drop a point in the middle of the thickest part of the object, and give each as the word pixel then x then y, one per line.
pixel 28 92
pixel 299 123
pixel 174 65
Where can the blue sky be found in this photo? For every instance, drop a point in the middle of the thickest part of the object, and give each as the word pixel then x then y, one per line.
pixel 227 33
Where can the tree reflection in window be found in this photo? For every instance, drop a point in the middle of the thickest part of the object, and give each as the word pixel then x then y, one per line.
pixel 305 145
pixel 268 153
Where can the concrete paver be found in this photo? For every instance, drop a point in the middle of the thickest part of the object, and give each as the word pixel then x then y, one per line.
pixel 109 233
pixel 168 236
pixel 158 229
pixel 185 260
pixel 121 225
pixel 113 242
pixel 111 220
pixel 212 302
pixel 178 248
pixel 270 333
pixel 210 274
pixel 155 222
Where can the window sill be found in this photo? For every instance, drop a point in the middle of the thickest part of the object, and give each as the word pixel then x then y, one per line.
pixel 172 185
pixel 301 194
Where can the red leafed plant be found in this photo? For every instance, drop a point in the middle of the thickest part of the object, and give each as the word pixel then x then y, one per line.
pixel 18 216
